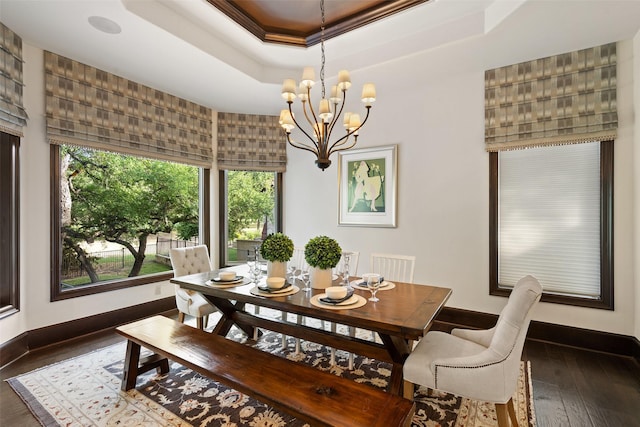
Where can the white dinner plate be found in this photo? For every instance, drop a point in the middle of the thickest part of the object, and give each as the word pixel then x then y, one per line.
pixel 384 286
pixel 286 292
pixel 265 289
pixel 238 279
pixel 352 300
pixel 359 301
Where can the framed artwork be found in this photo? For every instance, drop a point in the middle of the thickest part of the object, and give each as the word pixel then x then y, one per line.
pixel 367 187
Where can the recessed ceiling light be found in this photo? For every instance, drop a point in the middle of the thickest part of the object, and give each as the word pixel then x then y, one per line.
pixel 105 25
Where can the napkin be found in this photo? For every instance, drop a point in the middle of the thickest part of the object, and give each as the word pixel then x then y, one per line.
pixel 328 300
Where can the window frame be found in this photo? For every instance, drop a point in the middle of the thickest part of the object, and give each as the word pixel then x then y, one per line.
pixel 10 186
pixel 222 217
pixel 606 236
pixel 57 293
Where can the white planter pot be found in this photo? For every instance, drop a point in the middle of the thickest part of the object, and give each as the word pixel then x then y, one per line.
pixel 320 278
pixel 276 269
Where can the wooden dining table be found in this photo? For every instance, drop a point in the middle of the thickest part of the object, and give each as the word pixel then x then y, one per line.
pixel 404 314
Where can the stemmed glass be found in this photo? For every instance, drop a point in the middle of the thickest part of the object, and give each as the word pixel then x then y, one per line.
pixel 373 284
pixel 306 278
pixel 255 271
pixel 292 269
pixel 345 269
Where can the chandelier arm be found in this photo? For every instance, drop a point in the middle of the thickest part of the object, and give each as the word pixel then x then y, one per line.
pixel 301 145
pixel 336 114
pixel 342 140
pixel 313 122
pixel 337 146
pixel 300 127
pixel 340 148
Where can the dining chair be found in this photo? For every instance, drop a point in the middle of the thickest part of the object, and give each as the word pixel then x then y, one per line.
pixel 190 260
pixel 393 267
pixel 478 364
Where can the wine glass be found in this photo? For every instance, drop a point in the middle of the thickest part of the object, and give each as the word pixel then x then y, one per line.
pixel 373 284
pixel 255 273
pixel 345 269
pixel 291 269
pixel 251 263
pixel 306 278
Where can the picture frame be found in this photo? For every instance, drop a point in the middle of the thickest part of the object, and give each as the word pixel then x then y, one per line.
pixel 367 187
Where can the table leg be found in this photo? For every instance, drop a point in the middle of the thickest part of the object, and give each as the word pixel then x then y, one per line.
pixel 398 349
pixel 228 309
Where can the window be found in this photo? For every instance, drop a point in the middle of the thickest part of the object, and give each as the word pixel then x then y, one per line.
pixel 9 221
pixel 250 206
pixel 552 217
pixel 115 217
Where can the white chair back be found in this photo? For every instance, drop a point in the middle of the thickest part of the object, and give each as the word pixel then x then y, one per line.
pixel 393 267
pixel 297 258
pixel 190 260
pixel 185 261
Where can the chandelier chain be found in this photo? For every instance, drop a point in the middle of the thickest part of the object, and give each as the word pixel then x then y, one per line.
pixel 322 47
pixel 329 112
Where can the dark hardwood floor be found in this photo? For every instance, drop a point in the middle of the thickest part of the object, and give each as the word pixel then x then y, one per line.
pixel 572 387
pixel 575 387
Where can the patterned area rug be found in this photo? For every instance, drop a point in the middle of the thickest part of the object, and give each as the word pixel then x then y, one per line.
pixel 85 391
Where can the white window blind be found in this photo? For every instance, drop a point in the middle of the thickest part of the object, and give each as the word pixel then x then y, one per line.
pixel 549 218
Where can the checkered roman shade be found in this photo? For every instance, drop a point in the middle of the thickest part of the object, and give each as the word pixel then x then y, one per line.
pixel 89 107
pixel 560 99
pixel 251 142
pixel 12 114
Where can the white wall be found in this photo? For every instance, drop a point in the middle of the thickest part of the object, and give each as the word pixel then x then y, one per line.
pixel 435 113
pixel 36 310
pixel 636 180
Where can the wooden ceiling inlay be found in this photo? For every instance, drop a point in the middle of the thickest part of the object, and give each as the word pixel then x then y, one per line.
pixel 297 22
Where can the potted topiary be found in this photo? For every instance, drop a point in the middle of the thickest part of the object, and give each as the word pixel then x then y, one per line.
pixel 322 253
pixel 277 249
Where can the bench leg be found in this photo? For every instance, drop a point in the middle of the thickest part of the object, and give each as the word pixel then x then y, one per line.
pixel 134 366
pixel 131 360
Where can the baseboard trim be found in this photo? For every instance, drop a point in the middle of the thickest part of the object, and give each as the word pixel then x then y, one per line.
pixel 13 349
pixel 622 345
pixel 54 334
pixel 448 319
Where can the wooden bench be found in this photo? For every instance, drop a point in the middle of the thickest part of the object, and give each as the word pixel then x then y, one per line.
pixel 317 397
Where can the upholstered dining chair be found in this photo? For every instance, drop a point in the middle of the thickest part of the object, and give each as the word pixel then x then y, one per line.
pixel 393 266
pixel 478 364
pixel 190 260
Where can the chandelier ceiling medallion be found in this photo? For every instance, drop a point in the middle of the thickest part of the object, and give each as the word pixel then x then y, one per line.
pixel 329 111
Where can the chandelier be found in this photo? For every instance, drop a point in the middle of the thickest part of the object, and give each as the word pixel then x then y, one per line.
pixel 329 111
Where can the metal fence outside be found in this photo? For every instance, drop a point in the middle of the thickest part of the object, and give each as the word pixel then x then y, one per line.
pixel 114 260
pixel 165 243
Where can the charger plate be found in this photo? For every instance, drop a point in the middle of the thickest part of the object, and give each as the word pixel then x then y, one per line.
pixel 233 284
pixel 359 301
pixel 385 286
pixel 289 291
